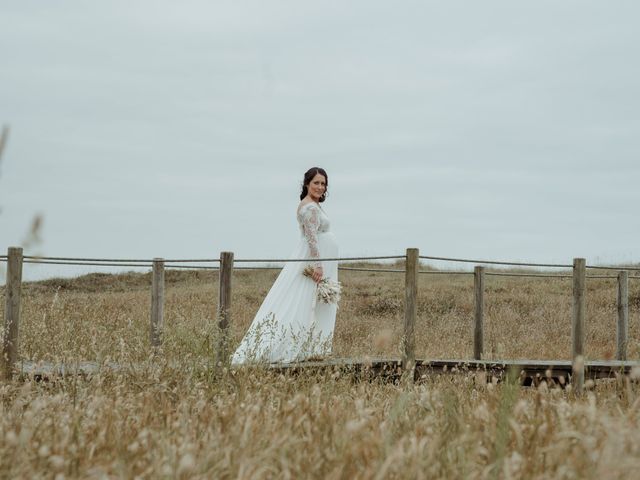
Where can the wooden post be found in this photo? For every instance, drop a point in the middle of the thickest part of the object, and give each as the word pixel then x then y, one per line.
pixel 623 315
pixel 12 311
pixel 578 325
pixel 157 302
pixel 410 314
pixel 478 341
pixel 224 305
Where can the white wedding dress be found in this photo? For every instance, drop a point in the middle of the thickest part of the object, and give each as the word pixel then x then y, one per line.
pixel 290 325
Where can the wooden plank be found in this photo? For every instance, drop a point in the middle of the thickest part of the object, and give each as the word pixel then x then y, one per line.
pixel 411 293
pixel 622 326
pixel 478 340
pixel 533 371
pixel 13 291
pixel 578 324
pixel 157 302
pixel 224 306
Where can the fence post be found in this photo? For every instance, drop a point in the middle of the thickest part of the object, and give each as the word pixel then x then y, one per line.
pixel 157 302
pixel 623 315
pixel 578 325
pixel 410 313
pixel 478 340
pixel 224 305
pixel 12 311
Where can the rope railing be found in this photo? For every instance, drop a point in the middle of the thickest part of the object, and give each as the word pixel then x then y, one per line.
pixel 543 275
pixel 331 259
pixel 381 270
pixel 104 261
pixel 202 267
pixel 495 262
pixel 121 260
pixel 149 263
pixel 622 267
pixel 384 270
pixel 540 275
pixel 495 274
pixel 90 264
pixel 145 265
pixel 444 272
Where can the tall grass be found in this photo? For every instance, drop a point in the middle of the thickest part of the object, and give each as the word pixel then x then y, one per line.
pixel 102 315
pixel 176 415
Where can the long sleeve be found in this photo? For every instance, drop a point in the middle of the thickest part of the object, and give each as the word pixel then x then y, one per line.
pixel 310 226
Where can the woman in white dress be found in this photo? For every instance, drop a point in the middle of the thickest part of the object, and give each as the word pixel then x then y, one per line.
pixel 290 325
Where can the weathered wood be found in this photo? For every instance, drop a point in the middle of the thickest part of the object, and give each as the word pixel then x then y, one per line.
pixel 622 329
pixel 224 306
pixel 578 324
pixel 411 294
pixel 532 371
pixel 157 302
pixel 478 338
pixel 12 311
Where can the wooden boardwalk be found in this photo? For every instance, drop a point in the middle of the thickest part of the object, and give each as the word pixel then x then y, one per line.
pixel 531 371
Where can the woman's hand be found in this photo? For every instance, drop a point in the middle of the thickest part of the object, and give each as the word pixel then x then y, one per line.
pixel 317 274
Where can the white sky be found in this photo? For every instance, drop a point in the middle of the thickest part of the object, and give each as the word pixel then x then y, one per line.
pixel 492 129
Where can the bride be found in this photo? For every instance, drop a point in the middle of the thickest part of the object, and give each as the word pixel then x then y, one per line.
pixel 290 325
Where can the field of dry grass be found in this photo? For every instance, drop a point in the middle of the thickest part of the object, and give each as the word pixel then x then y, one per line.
pixel 178 415
pixel 103 315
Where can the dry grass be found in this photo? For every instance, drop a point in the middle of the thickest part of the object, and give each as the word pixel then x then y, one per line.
pixel 175 416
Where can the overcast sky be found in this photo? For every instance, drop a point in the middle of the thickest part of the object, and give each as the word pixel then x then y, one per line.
pixel 495 129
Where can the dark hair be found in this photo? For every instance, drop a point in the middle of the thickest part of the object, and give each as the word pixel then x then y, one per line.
pixel 308 176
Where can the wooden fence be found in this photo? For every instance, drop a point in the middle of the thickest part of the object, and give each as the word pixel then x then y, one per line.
pixel 14 260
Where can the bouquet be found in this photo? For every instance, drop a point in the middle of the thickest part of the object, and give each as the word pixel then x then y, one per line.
pixel 328 291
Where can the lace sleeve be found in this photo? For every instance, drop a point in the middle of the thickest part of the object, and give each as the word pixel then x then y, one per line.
pixel 310 225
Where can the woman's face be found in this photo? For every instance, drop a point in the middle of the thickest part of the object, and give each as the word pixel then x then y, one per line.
pixel 317 186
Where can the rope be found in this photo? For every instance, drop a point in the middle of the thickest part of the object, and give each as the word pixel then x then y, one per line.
pixel 42 260
pixel 206 260
pixel 196 267
pixel 631 269
pixel 499 274
pixel 47 262
pixel 73 259
pixel 118 260
pixel 444 272
pixel 191 267
pixel 337 259
pixel 494 262
pixel 352 269
pixel 190 260
pixel 382 270
pixel 144 262
pixel 428 272
pixel 543 275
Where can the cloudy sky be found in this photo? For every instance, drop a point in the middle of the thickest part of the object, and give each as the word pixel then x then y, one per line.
pixel 495 129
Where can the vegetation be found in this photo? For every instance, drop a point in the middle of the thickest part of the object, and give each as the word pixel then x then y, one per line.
pixel 175 414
